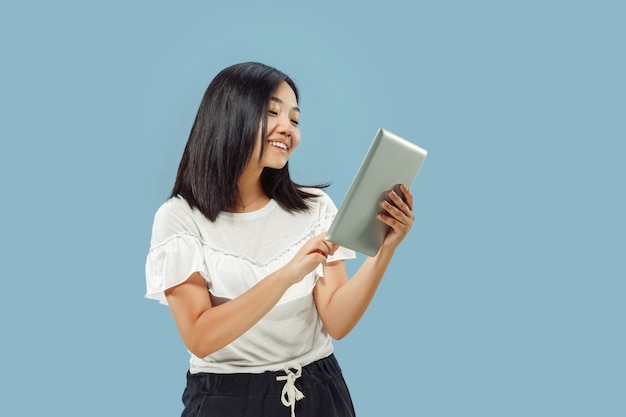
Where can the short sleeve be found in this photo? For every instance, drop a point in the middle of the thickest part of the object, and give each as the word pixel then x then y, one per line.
pixel 176 250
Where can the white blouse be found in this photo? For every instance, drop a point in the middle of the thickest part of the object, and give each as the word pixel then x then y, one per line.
pixel 233 253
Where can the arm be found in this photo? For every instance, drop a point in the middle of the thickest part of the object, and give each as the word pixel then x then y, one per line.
pixel 340 301
pixel 206 329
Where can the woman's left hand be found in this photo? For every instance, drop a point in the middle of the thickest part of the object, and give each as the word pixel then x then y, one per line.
pixel 398 215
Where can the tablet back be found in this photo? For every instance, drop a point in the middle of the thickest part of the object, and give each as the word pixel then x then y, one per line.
pixel 390 160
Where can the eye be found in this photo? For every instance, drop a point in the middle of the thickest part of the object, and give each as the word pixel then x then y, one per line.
pixel 273 112
pixel 295 122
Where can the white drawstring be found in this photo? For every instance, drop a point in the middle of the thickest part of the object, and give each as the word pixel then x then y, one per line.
pixel 290 393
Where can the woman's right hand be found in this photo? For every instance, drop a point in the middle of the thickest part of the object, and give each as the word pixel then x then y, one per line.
pixel 313 253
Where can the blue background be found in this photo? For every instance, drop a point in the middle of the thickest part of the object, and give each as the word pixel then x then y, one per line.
pixel 507 298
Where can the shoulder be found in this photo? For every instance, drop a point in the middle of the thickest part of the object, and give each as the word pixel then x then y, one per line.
pixel 176 209
pixel 321 202
pixel 174 217
pixel 319 194
pixel 174 205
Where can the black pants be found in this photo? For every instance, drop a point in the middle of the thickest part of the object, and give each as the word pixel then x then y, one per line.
pixel 262 395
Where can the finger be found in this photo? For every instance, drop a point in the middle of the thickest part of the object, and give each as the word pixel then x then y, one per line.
pixel 318 242
pixel 400 203
pixel 407 196
pixel 320 252
pixel 326 246
pixel 392 222
pixel 332 246
pixel 321 247
pixel 397 226
pixel 394 212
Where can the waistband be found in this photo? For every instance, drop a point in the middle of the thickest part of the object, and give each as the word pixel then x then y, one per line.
pixel 291 383
pixel 252 383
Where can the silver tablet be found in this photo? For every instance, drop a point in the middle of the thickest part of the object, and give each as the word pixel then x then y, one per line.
pixel 390 160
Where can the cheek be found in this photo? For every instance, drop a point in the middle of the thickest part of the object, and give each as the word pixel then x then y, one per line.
pixel 257 147
pixel 295 141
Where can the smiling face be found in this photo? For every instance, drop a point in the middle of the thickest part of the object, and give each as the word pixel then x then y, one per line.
pixel 283 134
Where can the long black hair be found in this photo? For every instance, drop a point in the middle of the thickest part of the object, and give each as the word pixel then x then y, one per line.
pixel 223 138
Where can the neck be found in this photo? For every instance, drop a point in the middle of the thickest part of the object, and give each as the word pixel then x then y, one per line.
pixel 251 194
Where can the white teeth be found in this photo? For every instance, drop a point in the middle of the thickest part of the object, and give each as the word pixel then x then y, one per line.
pixel 278 145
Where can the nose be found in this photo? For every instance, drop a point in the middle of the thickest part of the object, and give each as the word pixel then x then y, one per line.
pixel 285 127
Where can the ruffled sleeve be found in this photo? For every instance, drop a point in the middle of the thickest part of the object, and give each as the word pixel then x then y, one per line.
pixel 176 250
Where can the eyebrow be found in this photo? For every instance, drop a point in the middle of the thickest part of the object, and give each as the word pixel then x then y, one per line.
pixel 279 101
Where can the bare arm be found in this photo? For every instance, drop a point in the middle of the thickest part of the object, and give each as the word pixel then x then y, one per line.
pixel 206 329
pixel 340 301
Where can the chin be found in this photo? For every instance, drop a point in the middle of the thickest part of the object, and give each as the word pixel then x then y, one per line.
pixel 275 167
pixel 275 164
pixel 278 166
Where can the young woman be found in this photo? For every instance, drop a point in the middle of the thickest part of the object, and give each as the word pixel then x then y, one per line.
pixel 238 253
